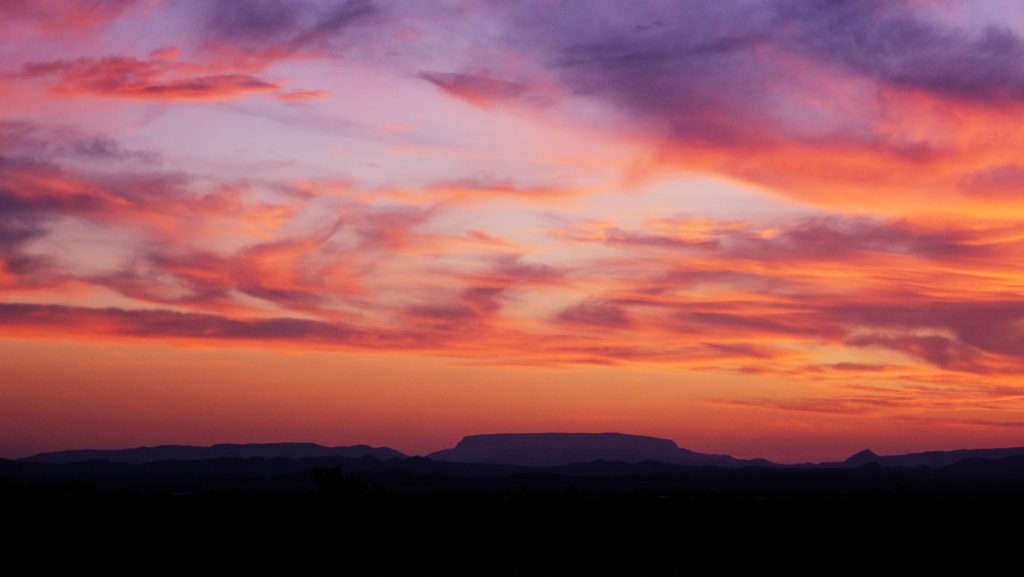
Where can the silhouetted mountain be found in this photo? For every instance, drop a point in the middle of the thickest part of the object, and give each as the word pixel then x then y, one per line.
pixel 220 451
pixel 419 475
pixel 551 449
pixel 933 459
pixel 862 458
pixel 508 451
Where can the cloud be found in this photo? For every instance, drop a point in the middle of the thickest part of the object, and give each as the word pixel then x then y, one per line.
pixel 617 236
pixel 467 188
pixel 152 79
pixel 997 182
pixel 53 171
pixel 890 43
pixel 473 307
pixel 477 89
pixel 691 80
pixel 954 335
pixel 55 17
pixel 851 105
pixel 827 237
pixel 846 105
pixel 302 95
pixel 596 313
pixel 833 237
pixel 298 274
pixel 853 367
pixel 869 107
pixel 851 406
pixel 941 351
pixel 924 289
pixel 511 270
pixel 18 269
pixel 170 325
pixel 81 209
pixel 27 139
pixel 39 187
pixel 269 30
pixel 42 188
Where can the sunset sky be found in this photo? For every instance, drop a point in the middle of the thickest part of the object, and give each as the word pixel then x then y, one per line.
pixel 770 228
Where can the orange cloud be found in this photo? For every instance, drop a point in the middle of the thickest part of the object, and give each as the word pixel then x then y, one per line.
pixel 302 95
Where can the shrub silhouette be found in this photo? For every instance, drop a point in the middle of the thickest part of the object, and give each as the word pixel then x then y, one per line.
pixel 334 483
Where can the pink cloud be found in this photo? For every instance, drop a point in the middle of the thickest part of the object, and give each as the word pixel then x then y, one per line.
pixel 54 17
pixel 155 79
pixel 302 95
pixel 477 89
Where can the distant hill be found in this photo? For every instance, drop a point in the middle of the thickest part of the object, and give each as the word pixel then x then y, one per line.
pixel 220 451
pixel 933 459
pixel 553 449
pixel 515 449
pixel 602 463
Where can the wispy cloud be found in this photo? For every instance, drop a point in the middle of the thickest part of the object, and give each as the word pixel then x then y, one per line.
pixel 151 79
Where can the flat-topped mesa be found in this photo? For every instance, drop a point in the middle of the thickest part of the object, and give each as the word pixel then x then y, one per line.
pixel 550 449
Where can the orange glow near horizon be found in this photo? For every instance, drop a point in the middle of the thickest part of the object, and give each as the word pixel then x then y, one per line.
pixel 165 395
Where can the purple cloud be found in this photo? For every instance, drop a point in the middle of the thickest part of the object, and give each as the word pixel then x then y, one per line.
pixel 889 43
pixel 596 313
pixel 280 29
pixel 478 89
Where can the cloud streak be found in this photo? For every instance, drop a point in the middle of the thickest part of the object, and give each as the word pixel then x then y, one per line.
pixel 152 79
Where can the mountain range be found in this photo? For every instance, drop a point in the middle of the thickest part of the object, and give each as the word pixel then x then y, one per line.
pixel 932 459
pixel 220 451
pixel 517 449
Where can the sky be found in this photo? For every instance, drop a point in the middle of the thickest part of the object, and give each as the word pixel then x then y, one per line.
pixel 769 228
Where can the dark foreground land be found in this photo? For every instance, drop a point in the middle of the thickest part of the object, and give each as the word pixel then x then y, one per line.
pixel 594 521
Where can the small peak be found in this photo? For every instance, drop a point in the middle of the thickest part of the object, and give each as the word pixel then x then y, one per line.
pixel 865 456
